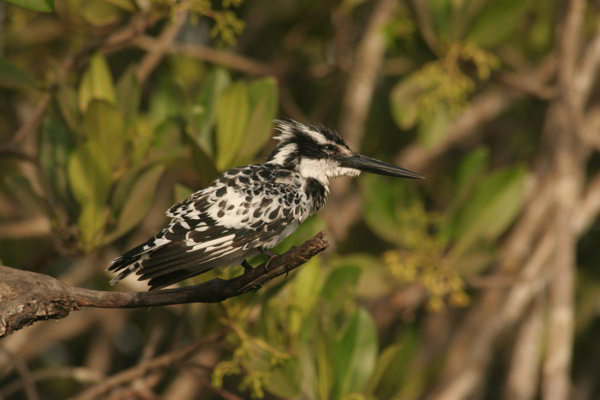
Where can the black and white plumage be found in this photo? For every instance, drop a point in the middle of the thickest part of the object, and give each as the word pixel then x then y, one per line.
pixel 250 209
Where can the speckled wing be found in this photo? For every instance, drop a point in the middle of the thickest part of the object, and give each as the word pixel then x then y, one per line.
pixel 246 209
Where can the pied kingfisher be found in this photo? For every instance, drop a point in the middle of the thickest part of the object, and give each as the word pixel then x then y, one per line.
pixel 250 209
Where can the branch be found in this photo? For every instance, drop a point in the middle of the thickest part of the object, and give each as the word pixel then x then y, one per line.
pixel 27 297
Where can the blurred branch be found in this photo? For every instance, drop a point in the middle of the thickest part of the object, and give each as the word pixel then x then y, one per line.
pixel 422 10
pixel 368 61
pixel 230 60
pixel 141 369
pixel 161 47
pixel 29 297
pixel 482 109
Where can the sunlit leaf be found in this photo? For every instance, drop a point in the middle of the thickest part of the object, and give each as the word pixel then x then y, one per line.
pixel 433 128
pixel 342 280
pixel 15 77
pixel 100 12
pixel 491 208
pixel 96 83
pixel 354 355
pixel 263 109
pixel 497 21
pixel 35 5
pixel 104 125
pixel 89 174
pixel 91 223
pixel 232 121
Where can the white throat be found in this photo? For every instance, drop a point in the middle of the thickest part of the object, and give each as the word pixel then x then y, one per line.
pixel 323 170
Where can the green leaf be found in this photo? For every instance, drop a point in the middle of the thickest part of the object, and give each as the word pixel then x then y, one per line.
pixel 129 95
pixel 67 102
pixel 471 168
pixel 205 114
pixel 497 21
pixel 404 108
pixel 263 96
pixel 104 125
pixel 127 5
pixel 96 83
pixel 56 146
pixel 340 280
pixel 384 361
pixel 138 203
pixel 15 77
pixel 35 5
pixel 354 354
pixel 181 192
pixel 91 224
pixel 491 208
pixel 232 121
pixel 89 173
pixel 433 128
pixel 100 13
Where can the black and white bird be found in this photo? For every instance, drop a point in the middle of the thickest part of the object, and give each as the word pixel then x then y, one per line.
pixel 248 210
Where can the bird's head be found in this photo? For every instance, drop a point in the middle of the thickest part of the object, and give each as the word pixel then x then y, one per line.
pixel 318 152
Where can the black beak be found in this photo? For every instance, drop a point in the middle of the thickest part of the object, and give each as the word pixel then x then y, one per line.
pixel 368 164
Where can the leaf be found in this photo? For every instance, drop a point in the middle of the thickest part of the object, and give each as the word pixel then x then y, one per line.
pixel 91 224
pixel 263 109
pixel 104 125
pixel 181 192
pixel 89 174
pixel 35 5
pixel 67 102
pixel 138 203
pixel 497 21
pixel 232 121
pixel 471 168
pixel 204 118
pixel 129 95
pixel 340 280
pixel 96 83
pixel 56 146
pixel 384 361
pixel 354 354
pixel 404 108
pixel 100 13
pixel 127 5
pixel 491 208
pixel 433 128
pixel 15 77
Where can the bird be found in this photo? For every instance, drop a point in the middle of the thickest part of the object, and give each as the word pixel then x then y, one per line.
pixel 248 210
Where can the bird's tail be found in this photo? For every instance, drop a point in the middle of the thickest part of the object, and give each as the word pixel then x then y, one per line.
pixel 131 261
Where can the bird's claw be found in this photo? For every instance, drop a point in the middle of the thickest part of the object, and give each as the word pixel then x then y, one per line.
pixel 270 254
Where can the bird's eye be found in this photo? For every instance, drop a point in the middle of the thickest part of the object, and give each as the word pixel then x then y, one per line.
pixel 330 147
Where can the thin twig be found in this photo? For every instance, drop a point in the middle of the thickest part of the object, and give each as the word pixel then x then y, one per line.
pixel 163 361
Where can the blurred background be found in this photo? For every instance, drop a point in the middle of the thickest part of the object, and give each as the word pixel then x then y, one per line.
pixel 480 282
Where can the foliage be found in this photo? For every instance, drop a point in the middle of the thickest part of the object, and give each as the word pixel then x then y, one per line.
pixel 113 148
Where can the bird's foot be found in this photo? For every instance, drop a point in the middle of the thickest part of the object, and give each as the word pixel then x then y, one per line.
pixel 270 254
pixel 247 266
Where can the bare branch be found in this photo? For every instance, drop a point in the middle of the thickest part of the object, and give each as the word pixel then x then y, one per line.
pixel 27 297
pixel 163 361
